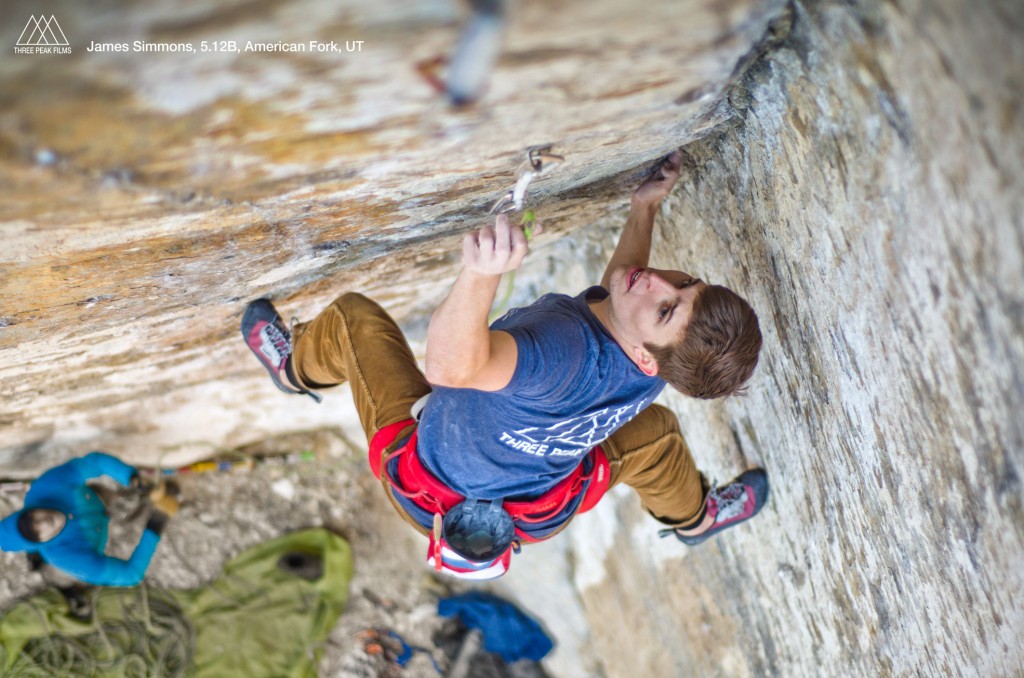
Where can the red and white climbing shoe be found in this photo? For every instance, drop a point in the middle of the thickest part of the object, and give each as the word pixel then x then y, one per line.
pixel 730 504
pixel 271 342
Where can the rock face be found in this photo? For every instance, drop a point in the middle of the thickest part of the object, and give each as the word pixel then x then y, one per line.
pixel 149 195
pixel 866 197
pixel 859 179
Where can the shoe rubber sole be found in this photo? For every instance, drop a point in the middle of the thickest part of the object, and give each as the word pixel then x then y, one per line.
pixel 258 311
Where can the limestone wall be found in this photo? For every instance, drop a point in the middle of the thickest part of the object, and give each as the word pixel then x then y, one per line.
pixel 867 198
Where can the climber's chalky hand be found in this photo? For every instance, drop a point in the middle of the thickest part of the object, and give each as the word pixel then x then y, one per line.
pixel 493 251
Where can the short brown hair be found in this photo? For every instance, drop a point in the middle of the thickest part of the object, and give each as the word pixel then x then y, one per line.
pixel 719 348
pixel 27 526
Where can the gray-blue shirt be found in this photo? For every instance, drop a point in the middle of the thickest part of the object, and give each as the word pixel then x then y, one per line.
pixel 572 388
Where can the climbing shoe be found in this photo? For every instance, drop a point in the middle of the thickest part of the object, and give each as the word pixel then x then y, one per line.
pixel 731 504
pixel 271 342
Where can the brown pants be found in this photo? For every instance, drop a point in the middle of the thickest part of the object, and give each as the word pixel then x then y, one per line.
pixel 355 340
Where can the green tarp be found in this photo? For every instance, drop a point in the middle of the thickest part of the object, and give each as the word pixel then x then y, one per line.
pixel 268 614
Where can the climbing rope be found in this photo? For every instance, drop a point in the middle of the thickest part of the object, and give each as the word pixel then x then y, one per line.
pixel 150 637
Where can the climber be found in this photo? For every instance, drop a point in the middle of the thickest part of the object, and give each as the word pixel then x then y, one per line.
pixel 529 421
pixel 64 524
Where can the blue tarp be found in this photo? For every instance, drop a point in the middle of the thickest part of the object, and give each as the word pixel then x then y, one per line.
pixel 507 631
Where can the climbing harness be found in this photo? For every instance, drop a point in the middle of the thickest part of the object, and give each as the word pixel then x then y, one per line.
pixel 461 549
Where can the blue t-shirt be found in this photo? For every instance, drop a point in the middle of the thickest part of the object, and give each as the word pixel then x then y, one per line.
pixel 573 387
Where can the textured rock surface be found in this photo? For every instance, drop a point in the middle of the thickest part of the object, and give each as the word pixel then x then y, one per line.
pixel 867 197
pixel 863 187
pixel 148 196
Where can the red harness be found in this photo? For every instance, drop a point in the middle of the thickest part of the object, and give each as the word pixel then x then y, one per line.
pixel 424 489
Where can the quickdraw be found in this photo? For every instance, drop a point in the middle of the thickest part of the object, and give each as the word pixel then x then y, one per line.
pixel 538 159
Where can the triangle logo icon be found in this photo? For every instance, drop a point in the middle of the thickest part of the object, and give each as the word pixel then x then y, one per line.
pixel 42 31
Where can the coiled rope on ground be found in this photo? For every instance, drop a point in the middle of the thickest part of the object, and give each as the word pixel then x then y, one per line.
pixel 151 639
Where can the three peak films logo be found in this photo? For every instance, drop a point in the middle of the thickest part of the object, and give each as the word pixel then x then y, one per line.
pixel 42 35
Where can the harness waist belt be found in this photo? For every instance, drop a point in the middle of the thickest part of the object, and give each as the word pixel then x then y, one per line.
pixel 424 489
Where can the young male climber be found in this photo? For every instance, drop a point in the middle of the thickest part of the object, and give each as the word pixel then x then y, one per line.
pixel 64 524
pixel 518 426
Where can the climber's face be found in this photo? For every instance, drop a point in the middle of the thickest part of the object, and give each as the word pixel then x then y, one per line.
pixel 650 306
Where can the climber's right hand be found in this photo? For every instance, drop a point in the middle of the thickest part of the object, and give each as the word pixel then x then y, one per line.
pixel 495 251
